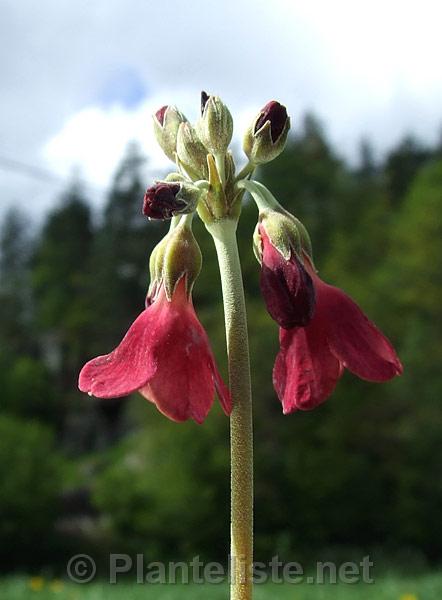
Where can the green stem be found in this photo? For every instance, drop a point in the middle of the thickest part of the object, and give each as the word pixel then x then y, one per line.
pixel 245 171
pixel 263 197
pixel 241 430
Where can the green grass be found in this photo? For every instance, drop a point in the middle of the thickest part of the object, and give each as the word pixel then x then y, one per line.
pixel 424 587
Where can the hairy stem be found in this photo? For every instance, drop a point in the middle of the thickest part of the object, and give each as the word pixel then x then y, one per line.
pixel 241 430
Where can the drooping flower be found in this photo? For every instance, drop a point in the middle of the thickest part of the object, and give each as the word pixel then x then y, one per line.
pixel 166 356
pixel 286 286
pixel 312 358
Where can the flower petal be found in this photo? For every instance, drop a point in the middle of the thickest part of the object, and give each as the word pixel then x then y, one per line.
pixel 305 371
pixel 127 368
pixel 222 390
pixel 183 385
pixel 355 340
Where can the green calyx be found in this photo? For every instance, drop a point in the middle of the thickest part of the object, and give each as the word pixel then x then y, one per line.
pixel 259 146
pixel 181 258
pixel 286 233
pixel 156 263
pixel 282 231
pixel 175 177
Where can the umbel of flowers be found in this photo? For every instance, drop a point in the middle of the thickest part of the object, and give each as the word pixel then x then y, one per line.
pixel 166 354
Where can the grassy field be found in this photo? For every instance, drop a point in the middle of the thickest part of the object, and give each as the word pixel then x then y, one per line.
pixel 425 587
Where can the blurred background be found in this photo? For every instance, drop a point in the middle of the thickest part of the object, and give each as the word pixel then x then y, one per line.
pixel 362 170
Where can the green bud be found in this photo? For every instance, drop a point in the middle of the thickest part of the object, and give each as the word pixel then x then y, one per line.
pixel 215 128
pixel 166 123
pixel 266 137
pixel 192 155
pixel 182 258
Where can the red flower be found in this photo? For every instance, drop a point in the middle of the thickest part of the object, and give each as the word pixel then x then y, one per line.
pixel 312 358
pixel 286 286
pixel 166 356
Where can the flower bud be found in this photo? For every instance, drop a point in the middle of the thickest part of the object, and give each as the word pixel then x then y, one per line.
pixel 286 286
pixel 182 258
pixel 166 199
pixel 192 154
pixel 215 128
pixel 166 123
pixel 265 139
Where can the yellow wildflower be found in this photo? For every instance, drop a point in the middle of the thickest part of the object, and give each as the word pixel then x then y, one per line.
pixel 36 583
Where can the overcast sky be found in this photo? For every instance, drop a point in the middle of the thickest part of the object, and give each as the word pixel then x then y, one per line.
pixel 80 78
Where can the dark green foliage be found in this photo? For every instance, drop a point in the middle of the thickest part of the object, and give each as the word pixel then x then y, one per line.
pixel 173 498
pixel 402 165
pixel 31 476
pixel 15 301
pixel 28 390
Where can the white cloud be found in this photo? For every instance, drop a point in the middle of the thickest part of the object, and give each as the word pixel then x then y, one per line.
pixel 367 68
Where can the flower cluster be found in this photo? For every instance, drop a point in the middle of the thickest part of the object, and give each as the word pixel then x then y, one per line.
pixel 166 355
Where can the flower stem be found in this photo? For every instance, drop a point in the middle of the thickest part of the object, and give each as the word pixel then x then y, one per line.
pixel 246 171
pixel 241 430
pixel 263 197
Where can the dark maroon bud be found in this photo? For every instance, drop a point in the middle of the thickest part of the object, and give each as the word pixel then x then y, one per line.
pixel 276 113
pixel 160 114
pixel 204 99
pixel 286 286
pixel 161 201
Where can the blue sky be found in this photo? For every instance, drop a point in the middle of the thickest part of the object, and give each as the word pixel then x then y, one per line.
pixel 123 86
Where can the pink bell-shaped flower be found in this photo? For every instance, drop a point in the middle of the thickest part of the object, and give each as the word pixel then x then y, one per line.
pixel 312 358
pixel 166 356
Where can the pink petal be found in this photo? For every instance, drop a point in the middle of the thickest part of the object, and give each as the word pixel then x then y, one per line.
pixel 183 385
pixel 355 340
pixel 165 355
pixel 222 390
pixel 305 371
pixel 127 368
